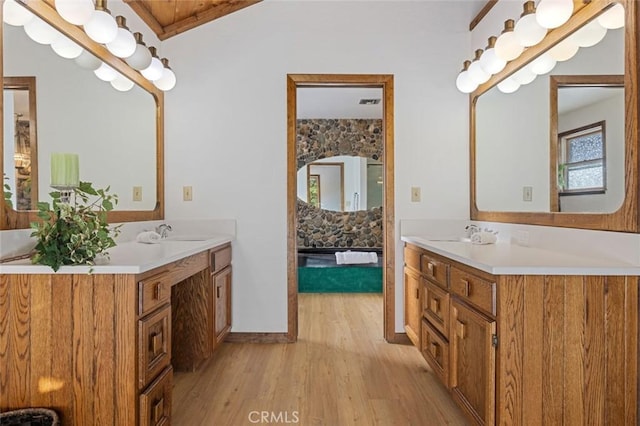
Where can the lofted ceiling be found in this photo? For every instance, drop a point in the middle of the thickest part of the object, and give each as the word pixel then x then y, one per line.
pixel 170 17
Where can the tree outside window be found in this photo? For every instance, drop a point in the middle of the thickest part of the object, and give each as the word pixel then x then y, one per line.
pixel 582 165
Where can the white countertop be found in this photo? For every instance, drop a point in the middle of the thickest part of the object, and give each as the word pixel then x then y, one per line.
pixel 126 258
pixel 503 258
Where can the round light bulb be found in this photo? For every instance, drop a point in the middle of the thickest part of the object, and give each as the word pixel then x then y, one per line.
pixel 140 59
pixel 564 50
pixel 542 64
pixel 553 13
pixel 524 76
pixel 613 18
pixel 154 70
pixel 464 82
pixel 106 73
pixel 15 14
pixel 508 85
pixel 124 45
pixel 589 35
pixel 490 62
pixel 507 46
pixel 477 74
pixel 40 32
pixel 527 30
pixel 76 12
pixel 66 48
pixel 101 28
pixel 121 83
pixel 167 81
pixel 88 61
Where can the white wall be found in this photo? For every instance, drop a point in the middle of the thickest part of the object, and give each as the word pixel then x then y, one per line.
pixel 226 122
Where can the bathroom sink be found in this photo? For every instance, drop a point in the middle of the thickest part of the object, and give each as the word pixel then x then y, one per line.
pixel 188 237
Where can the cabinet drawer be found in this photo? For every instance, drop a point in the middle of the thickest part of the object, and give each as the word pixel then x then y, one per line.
pixel 477 291
pixel 153 292
pixel 435 307
pixel 220 258
pixel 435 349
pixel 155 402
pixel 154 345
pixel 435 270
pixel 412 257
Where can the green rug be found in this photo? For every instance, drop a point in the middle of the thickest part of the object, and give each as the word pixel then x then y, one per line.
pixel 340 280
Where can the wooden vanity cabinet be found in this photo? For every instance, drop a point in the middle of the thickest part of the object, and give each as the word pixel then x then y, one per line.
pixel 220 295
pixel 529 349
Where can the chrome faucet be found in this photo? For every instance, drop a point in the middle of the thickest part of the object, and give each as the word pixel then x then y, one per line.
pixel 470 230
pixel 163 229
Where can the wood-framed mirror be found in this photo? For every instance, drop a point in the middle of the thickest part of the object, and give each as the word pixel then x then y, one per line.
pixel 110 130
pixel 530 109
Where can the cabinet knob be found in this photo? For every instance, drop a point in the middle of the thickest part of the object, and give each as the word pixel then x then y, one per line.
pixel 157 291
pixel 431 267
pixel 466 288
pixel 435 305
pixel 461 329
pixel 433 348
pixel 218 292
pixel 417 293
pixel 156 343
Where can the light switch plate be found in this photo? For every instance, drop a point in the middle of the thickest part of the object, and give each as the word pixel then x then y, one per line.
pixel 415 194
pixel 187 193
pixel 527 193
pixel 137 193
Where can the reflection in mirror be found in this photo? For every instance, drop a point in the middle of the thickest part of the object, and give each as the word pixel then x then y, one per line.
pixel 513 131
pixel 111 131
pixel 20 126
pixel 342 183
pixel 588 119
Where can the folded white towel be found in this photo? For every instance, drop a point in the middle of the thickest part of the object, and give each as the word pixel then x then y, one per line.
pixel 355 257
pixel 148 237
pixel 483 237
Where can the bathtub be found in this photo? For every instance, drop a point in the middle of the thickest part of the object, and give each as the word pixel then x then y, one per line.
pixel 318 272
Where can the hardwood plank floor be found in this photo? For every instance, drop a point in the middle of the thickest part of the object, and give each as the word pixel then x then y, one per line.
pixel 340 372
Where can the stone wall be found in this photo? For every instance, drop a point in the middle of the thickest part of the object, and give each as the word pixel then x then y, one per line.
pixel 323 138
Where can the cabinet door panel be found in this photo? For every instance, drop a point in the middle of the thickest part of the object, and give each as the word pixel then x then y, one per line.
pixel 435 307
pixel 222 297
pixel 472 375
pixel 412 305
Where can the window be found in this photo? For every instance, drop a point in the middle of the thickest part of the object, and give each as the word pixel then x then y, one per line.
pixel 582 165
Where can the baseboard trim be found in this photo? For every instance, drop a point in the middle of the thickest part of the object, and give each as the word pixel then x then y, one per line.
pixel 400 339
pixel 235 337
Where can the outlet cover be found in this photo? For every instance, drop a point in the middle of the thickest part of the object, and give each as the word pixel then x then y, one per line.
pixel 137 193
pixel 187 193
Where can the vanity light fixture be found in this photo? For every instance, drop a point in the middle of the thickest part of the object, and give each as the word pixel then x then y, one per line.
pixel 553 13
pixel 464 83
pixel 489 61
pixel 155 68
pixel 121 83
pixel 141 57
pixel 507 46
pixel 124 45
pixel 106 73
pixel 66 48
pixel 613 18
pixel 76 12
pixel 524 76
pixel 589 35
pixel 527 30
pixel 476 73
pixel 88 61
pixel 14 14
pixel 41 32
pixel 101 27
pixel 168 79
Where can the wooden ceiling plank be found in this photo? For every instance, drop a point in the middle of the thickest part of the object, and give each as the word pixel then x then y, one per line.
pixel 145 15
pixel 163 10
pixel 204 17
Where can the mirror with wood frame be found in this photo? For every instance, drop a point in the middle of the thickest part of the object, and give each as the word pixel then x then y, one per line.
pixel 618 215
pixel 143 123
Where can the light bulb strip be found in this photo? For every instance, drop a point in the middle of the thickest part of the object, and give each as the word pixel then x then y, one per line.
pixel 583 13
pixel 48 13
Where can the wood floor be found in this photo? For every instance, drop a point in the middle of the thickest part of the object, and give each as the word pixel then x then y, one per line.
pixel 340 372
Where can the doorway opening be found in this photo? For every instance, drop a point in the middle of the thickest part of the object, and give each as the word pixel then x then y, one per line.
pixel 385 176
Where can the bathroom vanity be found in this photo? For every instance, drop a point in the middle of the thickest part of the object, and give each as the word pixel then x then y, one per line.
pixel 101 347
pixel 525 336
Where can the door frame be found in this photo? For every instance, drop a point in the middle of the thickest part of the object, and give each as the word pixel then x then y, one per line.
pixel 385 82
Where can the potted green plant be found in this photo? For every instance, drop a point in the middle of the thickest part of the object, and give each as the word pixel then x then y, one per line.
pixel 74 233
pixel 7 192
